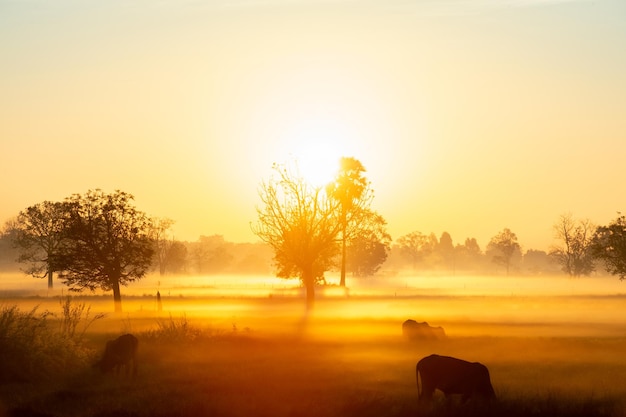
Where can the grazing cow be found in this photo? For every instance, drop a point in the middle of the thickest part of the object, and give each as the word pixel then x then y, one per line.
pixel 452 376
pixel 119 352
pixel 413 330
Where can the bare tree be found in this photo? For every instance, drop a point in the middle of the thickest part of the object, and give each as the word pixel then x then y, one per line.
pixel 162 241
pixel 301 224
pixel 574 253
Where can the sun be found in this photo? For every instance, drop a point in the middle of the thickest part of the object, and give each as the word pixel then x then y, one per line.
pixel 318 163
pixel 317 152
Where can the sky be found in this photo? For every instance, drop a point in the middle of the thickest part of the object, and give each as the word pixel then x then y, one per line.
pixel 469 116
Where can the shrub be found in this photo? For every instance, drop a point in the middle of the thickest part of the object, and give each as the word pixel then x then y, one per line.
pixel 174 330
pixel 30 350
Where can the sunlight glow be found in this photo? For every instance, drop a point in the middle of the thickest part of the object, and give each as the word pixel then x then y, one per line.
pixel 317 148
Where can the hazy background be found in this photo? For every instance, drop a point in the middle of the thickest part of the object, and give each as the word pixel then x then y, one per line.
pixel 470 116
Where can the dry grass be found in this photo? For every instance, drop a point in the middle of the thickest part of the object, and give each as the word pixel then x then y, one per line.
pixel 558 356
pixel 189 368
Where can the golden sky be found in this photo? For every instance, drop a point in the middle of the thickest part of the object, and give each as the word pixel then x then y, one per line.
pixel 469 116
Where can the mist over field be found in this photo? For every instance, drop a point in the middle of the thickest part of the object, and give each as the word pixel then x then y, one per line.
pixel 463 305
pixel 246 345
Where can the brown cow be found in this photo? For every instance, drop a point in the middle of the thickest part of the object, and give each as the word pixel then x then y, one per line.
pixel 119 352
pixel 413 330
pixel 452 376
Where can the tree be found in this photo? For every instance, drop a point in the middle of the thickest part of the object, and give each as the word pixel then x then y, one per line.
pixel 106 243
pixel 468 255
pixel 414 246
pixel 211 254
pixel 301 224
pixel 609 245
pixel 37 233
pixel 369 250
pixel 162 242
pixel 539 262
pixel 574 254
pixel 445 249
pixel 351 189
pixel 504 246
pixel 176 257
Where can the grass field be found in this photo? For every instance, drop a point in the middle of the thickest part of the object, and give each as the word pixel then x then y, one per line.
pixel 548 355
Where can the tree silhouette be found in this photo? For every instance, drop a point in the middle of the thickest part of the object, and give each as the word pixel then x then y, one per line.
pixel 609 245
pixel 106 243
pixel 445 249
pixel 414 246
pixel 351 189
pixel 574 254
pixel 369 249
pixel 301 224
pixel 162 242
pixel 37 233
pixel 505 245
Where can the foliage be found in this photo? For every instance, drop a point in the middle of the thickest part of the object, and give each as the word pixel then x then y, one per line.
pixel 176 258
pixel 30 349
pixel 211 255
pixel 369 249
pixel 414 246
pixel 37 233
pixel 574 254
pixel 175 331
pixel 106 243
pixel 162 242
pixel 445 250
pixel 72 315
pixel 609 245
pixel 351 190
pixel 504 246
pixel 301 224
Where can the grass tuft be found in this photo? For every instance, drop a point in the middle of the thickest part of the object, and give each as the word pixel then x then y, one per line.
pixel 31 350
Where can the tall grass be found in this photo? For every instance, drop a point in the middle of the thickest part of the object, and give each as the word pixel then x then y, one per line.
pixel 73 314
pixel 32 350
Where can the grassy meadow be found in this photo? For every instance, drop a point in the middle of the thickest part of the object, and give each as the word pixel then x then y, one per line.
pixel 232 348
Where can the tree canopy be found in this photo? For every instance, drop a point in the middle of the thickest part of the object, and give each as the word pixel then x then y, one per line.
pixel 351 190
pixel 505 246
pixel 609 245
pixel 301 224
pixel 37 233
pixel 106 243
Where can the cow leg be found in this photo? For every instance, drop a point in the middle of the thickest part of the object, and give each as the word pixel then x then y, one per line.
pixel 426 396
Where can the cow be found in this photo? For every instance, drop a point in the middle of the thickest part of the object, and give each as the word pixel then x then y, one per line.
pixel 120 352
pixel 452 376
pixel 413 331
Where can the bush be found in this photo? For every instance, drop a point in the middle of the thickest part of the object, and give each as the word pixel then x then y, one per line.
pixel 175 331
pixel 30 350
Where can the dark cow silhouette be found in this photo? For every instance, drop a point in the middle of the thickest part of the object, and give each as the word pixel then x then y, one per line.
pixel 452 376
pixel 120 352
pixel 413 330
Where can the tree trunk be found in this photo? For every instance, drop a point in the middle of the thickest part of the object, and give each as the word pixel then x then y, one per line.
pixel 117 296
pixel 342 281
pixel 309 285
pixel 50 276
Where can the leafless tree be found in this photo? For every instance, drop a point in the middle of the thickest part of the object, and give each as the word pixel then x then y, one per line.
pixel 301 224
pixel 574 252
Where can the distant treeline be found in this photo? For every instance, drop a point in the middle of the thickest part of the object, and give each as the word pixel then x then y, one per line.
pixel 214 255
